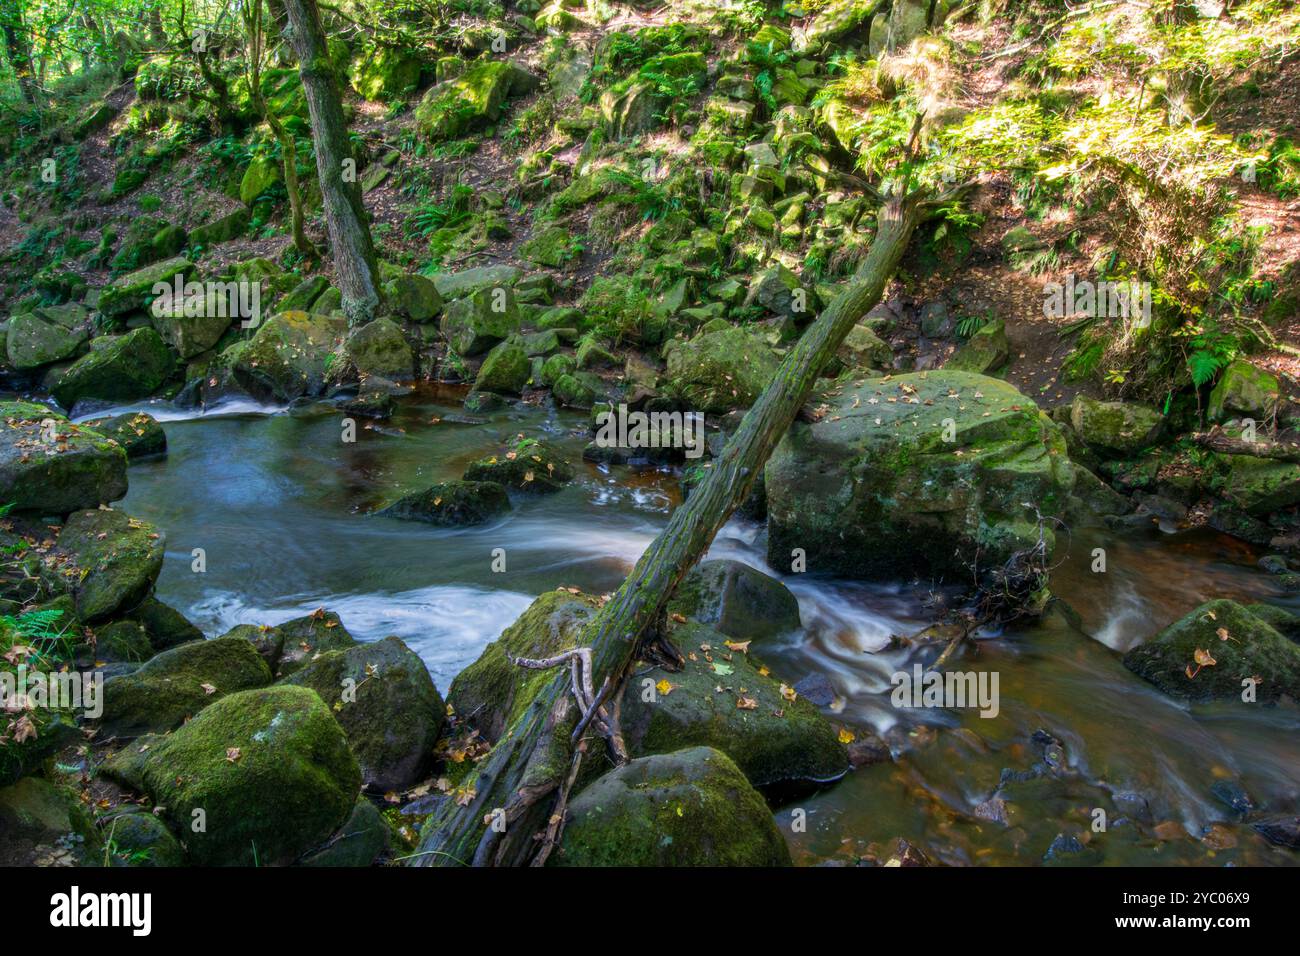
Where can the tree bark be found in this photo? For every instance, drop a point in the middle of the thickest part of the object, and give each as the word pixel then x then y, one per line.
pixel 353 250
pixel 530 760
pixel 19 50
pixel 255 26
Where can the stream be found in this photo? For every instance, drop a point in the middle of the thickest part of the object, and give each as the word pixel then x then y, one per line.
pixel 280 505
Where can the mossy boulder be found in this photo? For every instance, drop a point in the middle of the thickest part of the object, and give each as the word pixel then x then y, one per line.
pixel 452 503
pixel 1115 428
pixel 1244 391
pixel 474 98
pixel 138 433
pixel 690 808
pixel 109 560
pixel 1261 486
pixel 576 389
pixel 304 296
pixel 778 290
pixel 80 468
pixel 381 72
pixel 124 369
pixel 916 473
pixel 379 349
pixel 289 356
pixel 413 296
pixel 1192 659
pixel 506 370
pixel 551 247
pixel 122 641
pixel 179 683
pixel 985 352
pixel 718 371
pixel 268 771
pixel 223 229
pixel 476 323
pixel 492 692
pixel 864 349
pixel 288 647
pixel 628 110
pixel 728 700
pixel 528 465
pixel 45 825
pixel 363 836
pixel 31 341
pixel 147 240
pixel 460 285
pixel 135 289
pixel 140 838
pixel 261 175
pixel 165 626
pixel 383 698
pixel 737 600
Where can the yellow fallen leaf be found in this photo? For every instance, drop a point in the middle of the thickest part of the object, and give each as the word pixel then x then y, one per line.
pixel 664 687
pixel 741 647
pixel 846 736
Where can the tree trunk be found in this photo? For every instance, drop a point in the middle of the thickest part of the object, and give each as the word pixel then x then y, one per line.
pixel 532 758
pixel 256 27
pixel 19 49
pixel 354 254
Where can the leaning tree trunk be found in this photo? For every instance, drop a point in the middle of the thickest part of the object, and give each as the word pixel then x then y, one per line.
pixel 353 250
pixel 534 759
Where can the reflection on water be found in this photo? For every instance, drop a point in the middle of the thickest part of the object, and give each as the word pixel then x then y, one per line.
pixel 282 508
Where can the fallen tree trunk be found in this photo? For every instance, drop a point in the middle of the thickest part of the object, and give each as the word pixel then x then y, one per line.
pixel 506 819
pixel 1216 440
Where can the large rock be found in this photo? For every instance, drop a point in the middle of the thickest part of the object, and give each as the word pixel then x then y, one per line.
pixel 718 371
pixel 179 683
pixel 985 352
pixel 529 465
pixel 195 333
pixel 385 701
pixel 288 647
pixel 1261 486
pixel 288 357
pixel 452 503
pixel 259 778
pixel 45 826
pixel 79 469
pixel 835 20
pixel 135 289
pixel 492 692
pixel 690 808
pixel 109 560
pixel 138 433
pixel 506 370
pixel 474 98
pixel 474 324
pixel 32 341
pixel 873 488
pixel 413 296
pixel 126 368
pixel 1114 428
pixel 380 349
pixel 384 72
pixel 1242 390
pixel 727 700
pixel 1209 653
pixel 736 599
pixel 459 285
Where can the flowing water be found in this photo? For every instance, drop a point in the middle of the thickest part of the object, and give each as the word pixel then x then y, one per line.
pixel 281 507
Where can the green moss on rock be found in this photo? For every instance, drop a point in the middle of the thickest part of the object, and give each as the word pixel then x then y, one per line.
pixel 452 503
pixel 1253 648
pixel 80 469
pixel 170 687
pixel 382 696
pixel 269 769
pixel 690 808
